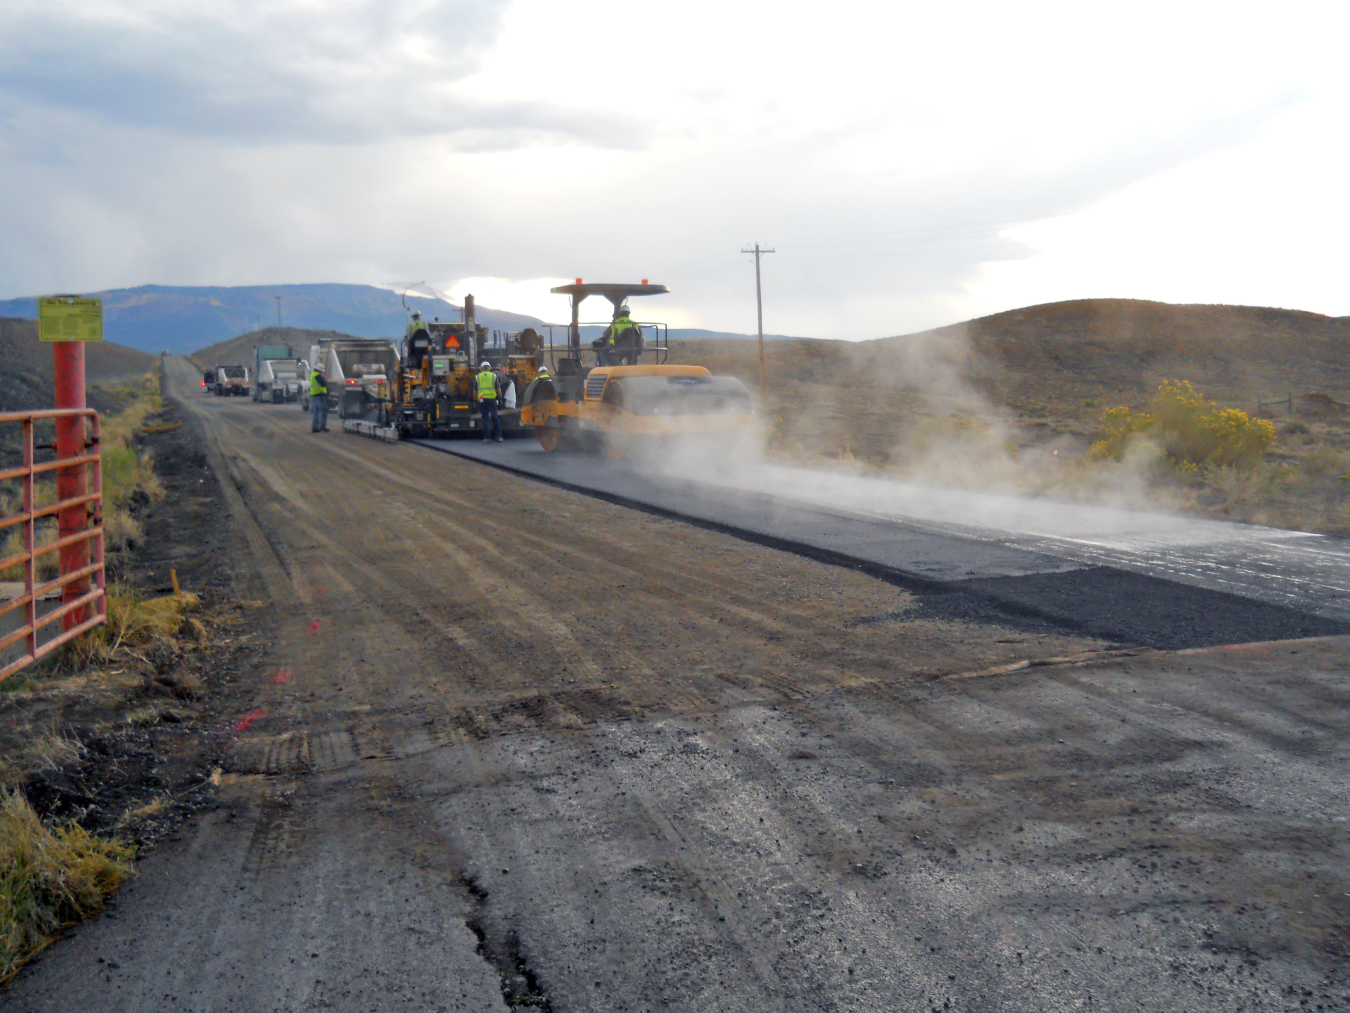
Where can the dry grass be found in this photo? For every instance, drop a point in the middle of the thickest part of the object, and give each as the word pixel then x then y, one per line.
pixel 50 877
pixel 137 625
pixel 135 621
pixel 52 751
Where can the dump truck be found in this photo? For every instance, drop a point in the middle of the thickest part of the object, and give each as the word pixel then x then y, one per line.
pixel 277 374
pixel 231 381
pixel 435 392
pixel 359 372
pixel 637 405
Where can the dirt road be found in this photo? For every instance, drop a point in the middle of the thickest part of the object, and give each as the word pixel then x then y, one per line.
pixel 511 745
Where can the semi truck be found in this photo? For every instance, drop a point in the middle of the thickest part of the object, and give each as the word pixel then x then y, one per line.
pixel 231 381
pixel 278 376
pixel 359 371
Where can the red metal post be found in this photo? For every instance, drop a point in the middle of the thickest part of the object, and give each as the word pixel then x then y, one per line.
pixel 68 358
pixel 29 543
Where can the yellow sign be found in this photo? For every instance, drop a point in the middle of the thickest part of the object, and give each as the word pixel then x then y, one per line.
pixel 70 318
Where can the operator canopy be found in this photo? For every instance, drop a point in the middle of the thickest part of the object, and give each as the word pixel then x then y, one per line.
pixel 613 292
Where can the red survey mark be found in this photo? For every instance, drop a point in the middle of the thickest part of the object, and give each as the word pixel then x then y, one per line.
pixel 242 725
pixel 314 626
pixel 283 675
pixel 321 589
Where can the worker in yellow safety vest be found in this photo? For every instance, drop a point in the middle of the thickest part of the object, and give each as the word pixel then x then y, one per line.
pixel 318 401
pixel 489 388
pixel 417 324
pixel 624 334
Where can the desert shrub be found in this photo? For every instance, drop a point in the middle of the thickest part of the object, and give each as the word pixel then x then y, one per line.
pixel 1119 426
pixel 1193 433
pixel 50 877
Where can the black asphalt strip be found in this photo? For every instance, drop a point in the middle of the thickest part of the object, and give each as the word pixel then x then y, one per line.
pixel 954 578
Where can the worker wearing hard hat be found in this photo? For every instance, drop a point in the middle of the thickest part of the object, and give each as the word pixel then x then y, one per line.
pixel 318 401
pixel 416 323
pixel 621 332
pixel 489 387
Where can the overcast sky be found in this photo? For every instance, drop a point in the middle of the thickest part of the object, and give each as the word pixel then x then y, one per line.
pixel 912 164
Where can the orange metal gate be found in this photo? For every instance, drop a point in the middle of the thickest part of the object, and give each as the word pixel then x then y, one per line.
pixel 85 605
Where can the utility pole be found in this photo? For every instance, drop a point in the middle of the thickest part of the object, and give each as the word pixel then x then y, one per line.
pixel 278 299
pixel 759 308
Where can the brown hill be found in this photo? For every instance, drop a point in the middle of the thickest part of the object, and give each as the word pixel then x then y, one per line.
pixel 1048 368
pixel 26 381
pixel 1128 346
pixel 238 351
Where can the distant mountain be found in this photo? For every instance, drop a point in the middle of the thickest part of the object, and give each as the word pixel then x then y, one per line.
pixel 182 319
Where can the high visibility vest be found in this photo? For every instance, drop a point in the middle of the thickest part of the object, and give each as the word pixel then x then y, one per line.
pixel 316 385
pixel 487 385
pixel 417 325
pixel 619 325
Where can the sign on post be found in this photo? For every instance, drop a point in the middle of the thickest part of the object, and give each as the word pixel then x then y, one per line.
pixel 70 318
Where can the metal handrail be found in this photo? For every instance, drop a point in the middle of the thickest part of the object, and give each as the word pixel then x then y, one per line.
pixel 28 516
pixel 658 346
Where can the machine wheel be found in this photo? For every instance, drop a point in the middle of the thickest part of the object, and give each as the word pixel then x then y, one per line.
pixel 550 437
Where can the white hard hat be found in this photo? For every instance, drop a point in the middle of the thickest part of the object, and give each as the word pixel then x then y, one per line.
pixel 485 364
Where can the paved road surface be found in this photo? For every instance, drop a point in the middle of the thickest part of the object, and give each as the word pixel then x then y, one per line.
pixel 954 535
pixel 1132 578
pixel 536 745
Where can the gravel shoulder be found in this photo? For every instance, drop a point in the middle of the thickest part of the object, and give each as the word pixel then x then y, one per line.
pixel 507 744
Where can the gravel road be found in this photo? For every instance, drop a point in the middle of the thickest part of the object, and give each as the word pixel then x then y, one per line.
pixel 512 745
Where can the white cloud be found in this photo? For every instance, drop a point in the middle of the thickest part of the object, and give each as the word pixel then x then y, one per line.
pixel 530 296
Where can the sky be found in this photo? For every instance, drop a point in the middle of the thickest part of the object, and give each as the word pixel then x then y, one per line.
pixel 910 164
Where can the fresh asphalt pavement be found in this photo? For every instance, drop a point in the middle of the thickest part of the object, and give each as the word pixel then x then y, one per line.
pixel 511 744
pixel 1127 576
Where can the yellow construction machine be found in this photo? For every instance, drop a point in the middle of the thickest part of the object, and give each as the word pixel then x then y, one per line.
pixel 434 392
pixel 630 405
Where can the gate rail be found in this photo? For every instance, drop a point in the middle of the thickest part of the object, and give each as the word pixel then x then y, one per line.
pixel 28 515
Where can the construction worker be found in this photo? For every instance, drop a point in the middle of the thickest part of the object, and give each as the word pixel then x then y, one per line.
pixel 624 334
pixel 489 393
pixel 318 401
pixel 416 324
pixel 543 374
